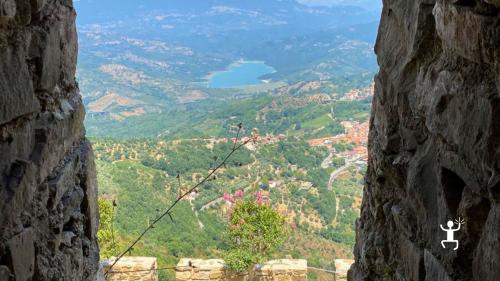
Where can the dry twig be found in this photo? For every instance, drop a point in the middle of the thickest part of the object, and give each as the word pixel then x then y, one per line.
pixel 168 211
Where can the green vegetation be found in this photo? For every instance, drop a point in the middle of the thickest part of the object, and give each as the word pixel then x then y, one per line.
pixel 297 113
pixel 105 235
pixel 146 160
pixel 255 232
pixel 342 146
pixel 181 160
pixel 140 197
pixel 312 276
pixel 131 172
pixel 157 129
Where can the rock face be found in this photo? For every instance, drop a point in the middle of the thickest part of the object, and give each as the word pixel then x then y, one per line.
pixel 48 192
pixel 434 144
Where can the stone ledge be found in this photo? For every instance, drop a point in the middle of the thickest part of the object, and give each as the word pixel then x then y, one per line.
pixel 215 269
pixel 131 268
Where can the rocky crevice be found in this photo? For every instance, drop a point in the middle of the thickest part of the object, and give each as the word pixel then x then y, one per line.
pixel 434 149
pixel 48 191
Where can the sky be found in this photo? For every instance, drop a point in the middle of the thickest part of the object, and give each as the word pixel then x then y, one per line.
pixel 368 3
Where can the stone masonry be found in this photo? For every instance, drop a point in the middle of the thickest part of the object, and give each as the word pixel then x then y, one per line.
pixel 211 270
pixel 131 269
pixel 48 191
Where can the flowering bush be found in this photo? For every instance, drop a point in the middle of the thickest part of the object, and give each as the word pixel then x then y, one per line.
pixel 255 232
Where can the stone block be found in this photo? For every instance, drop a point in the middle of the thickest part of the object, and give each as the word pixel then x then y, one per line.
pixel 183 275
pixel 132 268
pixel 22 253
pixel 342 266
pixel 275 270
pixel 17 98
pixel 216 274
pixel 50 59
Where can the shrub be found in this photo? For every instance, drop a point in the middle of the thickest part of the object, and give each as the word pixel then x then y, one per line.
pixel 105 235
pixel 255 232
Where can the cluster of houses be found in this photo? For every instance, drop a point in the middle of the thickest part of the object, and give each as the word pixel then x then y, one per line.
pixel 359 94
pixel 356 134
pixel 263 140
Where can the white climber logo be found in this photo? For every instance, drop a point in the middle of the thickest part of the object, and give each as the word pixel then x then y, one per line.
pixel 450 232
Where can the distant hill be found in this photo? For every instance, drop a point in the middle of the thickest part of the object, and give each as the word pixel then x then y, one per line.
pixel 143 61
pixel 142 72
pixel 293 12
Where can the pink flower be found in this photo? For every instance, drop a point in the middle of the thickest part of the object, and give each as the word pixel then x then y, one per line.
pixel 239 193
pixel 227 197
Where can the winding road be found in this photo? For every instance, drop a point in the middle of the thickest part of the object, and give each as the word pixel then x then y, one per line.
pixel 334 175
pixel 196 214
pixel 327 161
pixel 338 171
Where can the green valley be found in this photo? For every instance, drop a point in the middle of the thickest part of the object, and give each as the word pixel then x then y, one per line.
pixel 158 124
pixel 141 177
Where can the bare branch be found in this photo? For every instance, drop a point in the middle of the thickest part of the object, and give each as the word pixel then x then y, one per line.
pixel 167 212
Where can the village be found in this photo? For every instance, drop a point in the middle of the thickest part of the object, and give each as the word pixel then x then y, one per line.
pixel 359 94
pixel 355 137
pixel 350 146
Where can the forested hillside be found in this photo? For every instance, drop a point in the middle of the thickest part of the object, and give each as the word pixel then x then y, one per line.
pixel 143 176
pixel 159 123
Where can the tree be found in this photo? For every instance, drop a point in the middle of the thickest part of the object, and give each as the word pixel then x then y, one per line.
pixel 255 232
pixel 105 235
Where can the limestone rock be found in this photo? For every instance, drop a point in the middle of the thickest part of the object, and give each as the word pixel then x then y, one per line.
pixel 48 209
pixel 434 145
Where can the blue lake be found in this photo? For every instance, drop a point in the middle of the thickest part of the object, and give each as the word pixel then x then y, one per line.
pixel 244 73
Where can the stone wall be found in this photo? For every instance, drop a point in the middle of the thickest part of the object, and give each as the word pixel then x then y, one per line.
pixel 211 270
pixel 341 268
pixel 48 212
pixel 131 269
pixel 434 144
pixel 281 270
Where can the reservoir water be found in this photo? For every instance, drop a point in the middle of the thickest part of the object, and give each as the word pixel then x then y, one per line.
pixel 239 74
